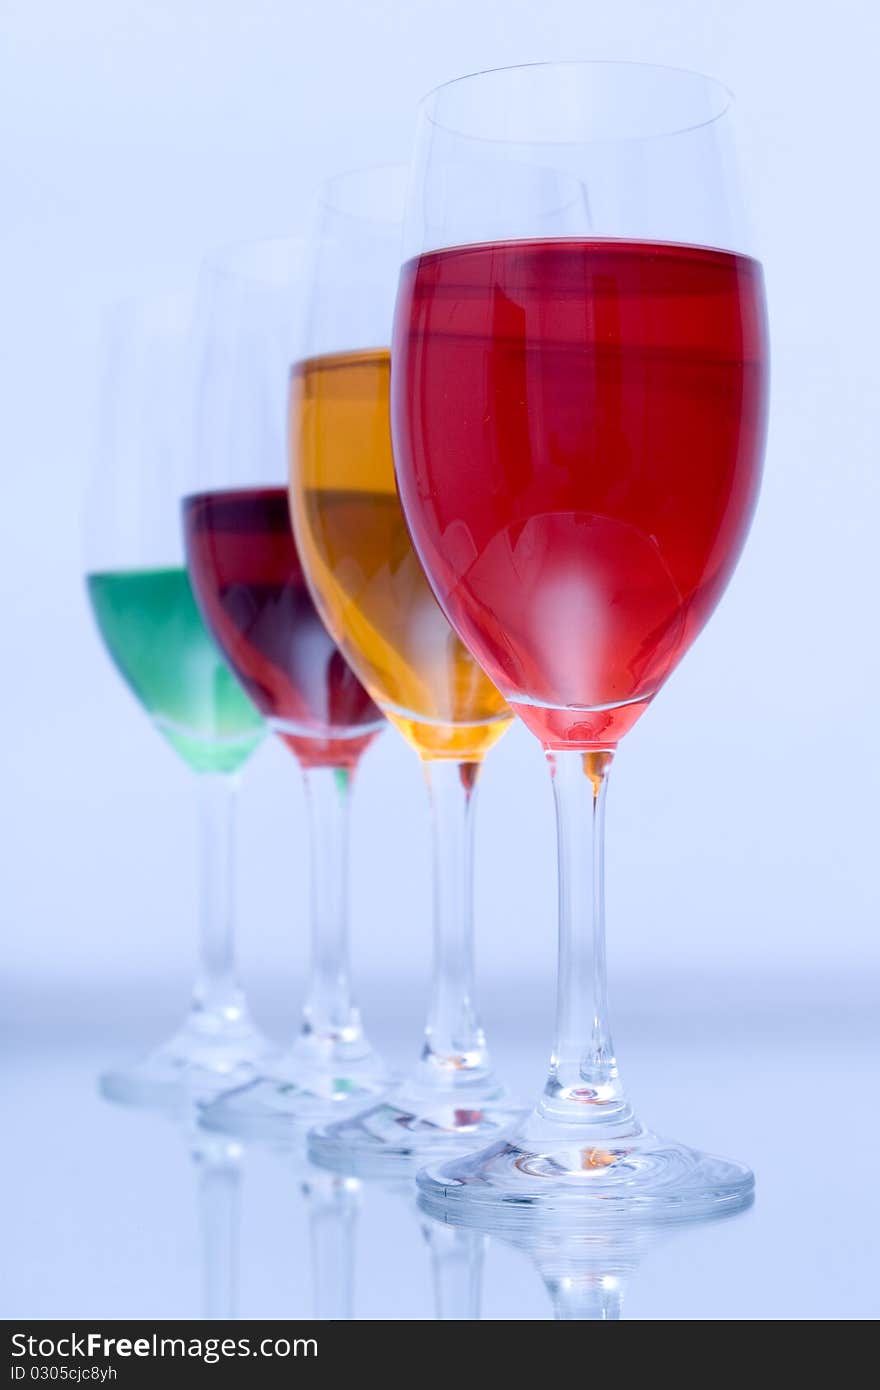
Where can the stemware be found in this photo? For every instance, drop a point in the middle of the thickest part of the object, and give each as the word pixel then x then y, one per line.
pixel 578 403
pixel 372 594
pixel 248 582
pixel 145 611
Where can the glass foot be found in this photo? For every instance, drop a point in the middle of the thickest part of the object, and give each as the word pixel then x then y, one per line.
pixel 543 1170
pixel 412 1124
pixel 299 1089
pixel 210 1053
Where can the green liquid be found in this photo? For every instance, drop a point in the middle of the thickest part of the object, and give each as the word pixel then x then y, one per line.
pixel 156 637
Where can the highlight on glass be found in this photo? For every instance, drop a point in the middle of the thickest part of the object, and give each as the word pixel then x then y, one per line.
pixel 248 581
pixel 579 389
pixel 371 592
pixel 145 611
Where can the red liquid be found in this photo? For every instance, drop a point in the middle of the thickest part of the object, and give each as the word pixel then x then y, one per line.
pixel 578 432
pixel 249 585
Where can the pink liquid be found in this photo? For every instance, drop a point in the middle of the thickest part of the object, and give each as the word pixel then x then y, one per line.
pixel 578 429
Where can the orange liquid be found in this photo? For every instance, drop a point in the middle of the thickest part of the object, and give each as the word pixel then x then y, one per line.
pixel 364 574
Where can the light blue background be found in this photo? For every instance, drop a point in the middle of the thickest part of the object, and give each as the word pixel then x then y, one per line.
pixel 743 811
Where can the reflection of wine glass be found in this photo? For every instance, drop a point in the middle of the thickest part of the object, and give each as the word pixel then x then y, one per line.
pixel 249 586
pixel 144 608
pixel 217 1162
pixel 372 594
pixel 333 1204
pixel 456 1271
pixel 585 1264
pixel 578 420
pixel 456 1254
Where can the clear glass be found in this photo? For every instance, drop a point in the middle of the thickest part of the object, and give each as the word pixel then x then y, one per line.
pixel 144 608
pixel 578 411
pixel 247 580
pixel 373 597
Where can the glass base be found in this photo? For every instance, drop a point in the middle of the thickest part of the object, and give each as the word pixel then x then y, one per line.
pixel 210 1053
pixel 549 1170
pixel 301 1088
pixel 412 1124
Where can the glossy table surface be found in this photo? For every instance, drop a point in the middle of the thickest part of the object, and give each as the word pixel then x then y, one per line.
pixel 116 1213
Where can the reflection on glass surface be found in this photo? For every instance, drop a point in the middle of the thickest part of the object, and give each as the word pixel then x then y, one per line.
pixel 456 1254
pixel 456 1270
pixel 333 1207
pixel 217 1163
pixel 416 1259
pixel 585 1265
pixel 332 1202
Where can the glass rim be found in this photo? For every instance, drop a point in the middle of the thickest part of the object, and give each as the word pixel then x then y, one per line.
pixel 671 69
pixel 221 260
pixel 323 199
pixel 148 302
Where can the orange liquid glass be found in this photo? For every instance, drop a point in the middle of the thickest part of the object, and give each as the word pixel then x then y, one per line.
pixel 364 573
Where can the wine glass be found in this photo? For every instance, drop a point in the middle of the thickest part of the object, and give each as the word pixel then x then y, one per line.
pixel 578 423
pixel 145 611
pixel 248 582
pixel 372 594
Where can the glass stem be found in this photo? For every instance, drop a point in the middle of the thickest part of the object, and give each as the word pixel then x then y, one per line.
pixel 583 1085
pixel 217 993
pixel 331 1017
pixel 455 1051
pixel 457 1269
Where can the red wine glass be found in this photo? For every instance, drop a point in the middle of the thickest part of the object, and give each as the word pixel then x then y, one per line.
pixel 579 380
pixel 248 582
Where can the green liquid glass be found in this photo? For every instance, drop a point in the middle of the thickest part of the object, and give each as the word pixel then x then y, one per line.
pixel 155 635
pixel 153 631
